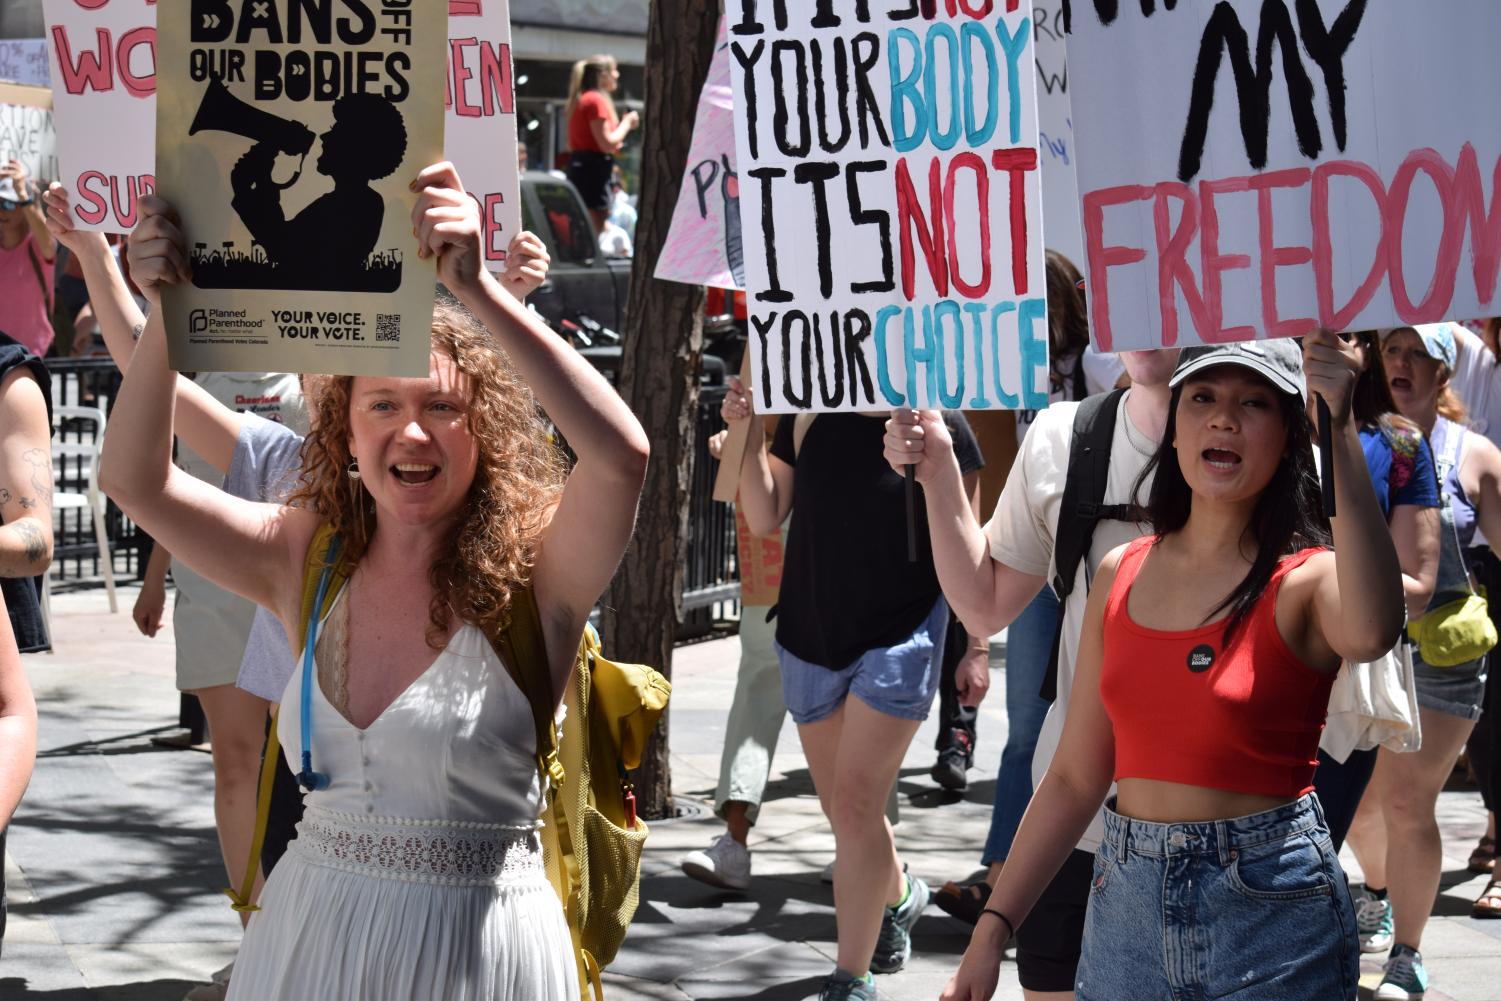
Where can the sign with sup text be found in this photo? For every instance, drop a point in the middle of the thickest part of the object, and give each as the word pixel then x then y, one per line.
pixel 288 135
pixel 890 204
pixel 1263 168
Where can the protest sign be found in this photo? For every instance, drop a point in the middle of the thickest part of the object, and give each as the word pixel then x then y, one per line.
pixel 26 135
pixel 104 103
pixel 287 138
pixel 24 60
pixel 1055 133
pixel 703 243
pixel 760 564
pixel 1261 168
pixel 481 120
pixel 890 204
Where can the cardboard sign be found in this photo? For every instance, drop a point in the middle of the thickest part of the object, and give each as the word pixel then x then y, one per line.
pixel 24 60
pixel 481 120
pixel 703 243
pixel 26 134
pixel 890 204
pixel 1055 133
pixel 287 142
pixel 104 100
pixel 760 565
pixel 1261 168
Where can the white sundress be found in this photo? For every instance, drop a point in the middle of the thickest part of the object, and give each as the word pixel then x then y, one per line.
pixel 417 873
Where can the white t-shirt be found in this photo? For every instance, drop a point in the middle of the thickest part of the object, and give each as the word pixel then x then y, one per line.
pixel 1101 373
pixel 1025 523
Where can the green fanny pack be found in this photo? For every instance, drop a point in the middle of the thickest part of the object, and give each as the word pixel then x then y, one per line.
pixel 1455 632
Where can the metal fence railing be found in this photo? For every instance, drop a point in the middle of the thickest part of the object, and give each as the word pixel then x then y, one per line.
pixel 711 575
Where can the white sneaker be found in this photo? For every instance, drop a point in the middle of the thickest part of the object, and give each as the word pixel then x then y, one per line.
pixel 725 863
pixel 1373 921
pixel 827 875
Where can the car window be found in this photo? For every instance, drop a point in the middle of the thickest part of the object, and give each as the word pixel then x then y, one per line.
pixel 572 233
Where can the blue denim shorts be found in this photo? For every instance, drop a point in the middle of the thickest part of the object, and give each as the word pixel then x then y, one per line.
pixel 898 680
pixel 1255 908
pixel 1457 691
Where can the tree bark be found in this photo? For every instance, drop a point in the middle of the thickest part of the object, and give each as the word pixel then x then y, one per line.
pixel 659 370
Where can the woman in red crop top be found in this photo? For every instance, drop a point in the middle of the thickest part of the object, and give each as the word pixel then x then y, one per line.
pixel 1201 685
pixel 595 132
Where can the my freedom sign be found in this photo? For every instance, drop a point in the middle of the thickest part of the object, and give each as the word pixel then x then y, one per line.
pixel 890 205
pixel 1261 168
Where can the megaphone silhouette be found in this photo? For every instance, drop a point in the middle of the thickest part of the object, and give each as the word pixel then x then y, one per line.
pixel 221 111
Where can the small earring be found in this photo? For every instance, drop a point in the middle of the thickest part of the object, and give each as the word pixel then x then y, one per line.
pixel 354 470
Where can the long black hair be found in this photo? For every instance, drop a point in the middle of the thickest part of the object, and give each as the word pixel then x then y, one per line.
pixel 1289 514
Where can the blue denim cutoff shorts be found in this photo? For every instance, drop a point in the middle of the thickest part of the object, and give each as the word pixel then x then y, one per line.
pixel 898 680
pixel 1255 909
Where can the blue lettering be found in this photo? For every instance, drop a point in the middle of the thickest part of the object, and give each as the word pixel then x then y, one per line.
pixel 883 367
pixel 1008 400
pixel 969 33
pixel 1014 46
pixel 944 140
pixel 950 309
pixel 916 355
pixel 904 92
pixel 1034 351
pixel 976 311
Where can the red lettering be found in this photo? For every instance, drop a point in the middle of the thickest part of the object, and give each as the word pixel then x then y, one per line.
pixel 496 238
pixel 1274 257
pixel 1017 162
pixel 973 162
pixel 495 79
pixel 1102 257
pixel 1215 264
pixel 457 99
pixel 1330 317
pixel 92 71
pixel 98 205
pixel 138 85
pixel 466 8
pixel 1173 268
pixel 1485 227
pixel 1440 292
pixel 909 212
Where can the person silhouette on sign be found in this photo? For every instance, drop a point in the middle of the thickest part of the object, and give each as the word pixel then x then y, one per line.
pixel 327 244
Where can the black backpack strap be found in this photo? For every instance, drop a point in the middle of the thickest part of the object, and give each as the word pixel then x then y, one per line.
pixel 1082 507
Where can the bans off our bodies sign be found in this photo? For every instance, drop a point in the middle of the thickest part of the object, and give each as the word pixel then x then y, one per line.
pixel 287 135
pixel 890 204
pixel 1260 168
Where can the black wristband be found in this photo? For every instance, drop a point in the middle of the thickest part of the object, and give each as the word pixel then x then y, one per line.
pixel 1010 928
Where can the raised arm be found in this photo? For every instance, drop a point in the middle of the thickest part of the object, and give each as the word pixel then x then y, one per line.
pixel 765 495
pixel 1359 607
pixel 207 426
pixel 31 209
pixel 985 593
pixel 593 522
pixel 25 476
pixel 17 723
pixel 255 550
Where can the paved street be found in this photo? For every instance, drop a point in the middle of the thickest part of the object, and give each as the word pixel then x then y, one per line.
pixel 114 869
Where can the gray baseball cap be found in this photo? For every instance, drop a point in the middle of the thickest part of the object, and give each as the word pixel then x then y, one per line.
pixel 1279 361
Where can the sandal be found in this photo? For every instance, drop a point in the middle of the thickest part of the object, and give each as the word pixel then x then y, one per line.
pixel 1489 903
pixel 1483 858
pixel 964 901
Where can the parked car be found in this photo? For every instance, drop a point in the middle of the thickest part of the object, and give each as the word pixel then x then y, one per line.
pixel 582 283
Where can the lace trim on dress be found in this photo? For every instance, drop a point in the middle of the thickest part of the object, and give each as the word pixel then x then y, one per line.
pixel 446 852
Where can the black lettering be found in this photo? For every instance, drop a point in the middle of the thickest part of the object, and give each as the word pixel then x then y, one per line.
pixel 210 21
pixel 903 13
pixel 266 18
pixel 841 89
pixel 834 397
pixel 748 62
pixel 397 66
pixel 747 25
pixel 1328 48
pixel 856 330
pixel 769 235
pixel 803 399
pixel 865 96
pixel 819 174
pixel 267 74
pixel 1223 35
pixel 781 117
pixel 350 35
pixel 315 16
pixel 870 217
pixel 703 181
pixel 763 329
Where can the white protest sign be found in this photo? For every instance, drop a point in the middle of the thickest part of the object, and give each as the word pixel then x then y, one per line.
pixel 26 135
pixel 480 137
pixel 1260 168
pixel 1055 133
pixel 104 100
pixel 890 205
pixel 24 60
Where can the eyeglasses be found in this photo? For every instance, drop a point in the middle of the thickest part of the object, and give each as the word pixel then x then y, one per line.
pixel 9 205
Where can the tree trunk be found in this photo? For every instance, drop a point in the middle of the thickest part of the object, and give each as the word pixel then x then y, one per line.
pixel 659 371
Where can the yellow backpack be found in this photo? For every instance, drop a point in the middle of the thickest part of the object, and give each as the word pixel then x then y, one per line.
pixel 591 837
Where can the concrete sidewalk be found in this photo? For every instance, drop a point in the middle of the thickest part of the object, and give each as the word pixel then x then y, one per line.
pixel 114 869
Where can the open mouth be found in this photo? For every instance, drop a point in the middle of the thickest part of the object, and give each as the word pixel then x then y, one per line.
pixel 414 474
pixel 1402 383
pixel 1221 458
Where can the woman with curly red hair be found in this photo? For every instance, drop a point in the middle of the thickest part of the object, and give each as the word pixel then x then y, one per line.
pixel 417 870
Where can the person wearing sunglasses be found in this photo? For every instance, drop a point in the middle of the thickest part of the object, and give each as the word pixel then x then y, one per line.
pixel 27 256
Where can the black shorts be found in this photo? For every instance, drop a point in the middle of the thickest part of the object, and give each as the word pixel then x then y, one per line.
pixel 1049 942
pixel 591 173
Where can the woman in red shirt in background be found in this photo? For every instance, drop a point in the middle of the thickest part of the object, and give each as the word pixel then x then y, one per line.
pixel 1203 678
pixel 595 132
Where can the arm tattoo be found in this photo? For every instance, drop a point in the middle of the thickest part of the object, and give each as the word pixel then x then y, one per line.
pixel 4 496
pixel 40 461
pixel 36 545
pixel 137 331
pixel 27 503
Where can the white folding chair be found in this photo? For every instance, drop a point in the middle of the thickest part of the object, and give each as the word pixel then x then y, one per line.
pixel 92 500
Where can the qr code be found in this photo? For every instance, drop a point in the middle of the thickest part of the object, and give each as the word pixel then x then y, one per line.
pixel 387 327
